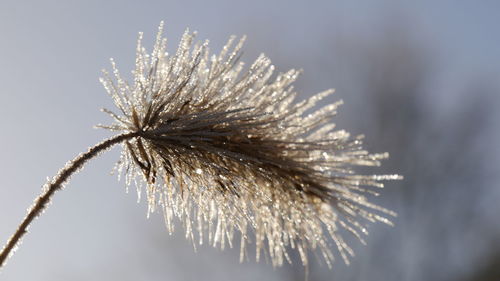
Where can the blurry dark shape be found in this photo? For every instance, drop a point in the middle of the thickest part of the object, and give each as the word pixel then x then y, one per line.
pixel 488 271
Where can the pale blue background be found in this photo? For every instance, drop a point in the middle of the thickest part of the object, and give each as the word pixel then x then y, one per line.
pixel 420 78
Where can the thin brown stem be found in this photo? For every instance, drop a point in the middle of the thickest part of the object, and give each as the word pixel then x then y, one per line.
pixel 55 184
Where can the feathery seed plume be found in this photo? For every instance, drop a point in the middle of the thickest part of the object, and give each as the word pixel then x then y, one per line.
pixel 226 149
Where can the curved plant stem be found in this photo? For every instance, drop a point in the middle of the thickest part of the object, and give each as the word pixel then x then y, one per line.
pixel 55 184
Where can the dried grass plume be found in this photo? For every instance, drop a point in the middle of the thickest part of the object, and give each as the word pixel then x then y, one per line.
pixel 223 149
pixel 228 149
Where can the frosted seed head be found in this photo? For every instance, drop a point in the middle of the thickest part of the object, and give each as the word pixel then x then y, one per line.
pixel 223 149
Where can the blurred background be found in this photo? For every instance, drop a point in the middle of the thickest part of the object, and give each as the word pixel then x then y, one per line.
pixel 421 79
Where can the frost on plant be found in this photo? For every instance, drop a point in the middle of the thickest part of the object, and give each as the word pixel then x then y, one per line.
pixel 226 148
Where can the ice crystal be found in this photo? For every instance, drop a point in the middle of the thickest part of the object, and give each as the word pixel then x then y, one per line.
pixel 228 149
